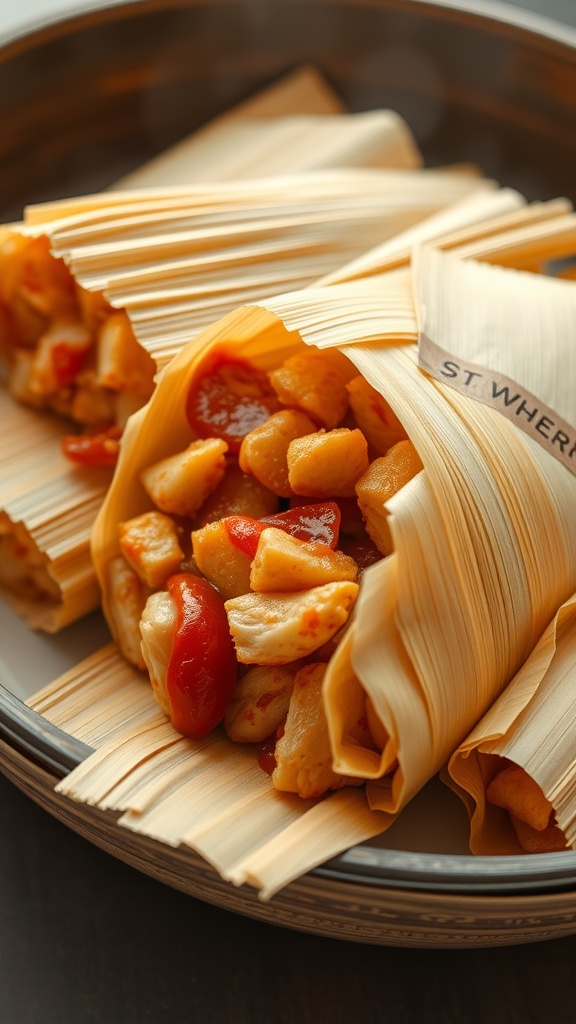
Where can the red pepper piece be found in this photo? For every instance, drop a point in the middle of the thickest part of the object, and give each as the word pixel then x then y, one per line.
pixel 202 668
pixel 98 449
pixel 317 524
pixel 244 533
pixel 67 361
pixel 229 401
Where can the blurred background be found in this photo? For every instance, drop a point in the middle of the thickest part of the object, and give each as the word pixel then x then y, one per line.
pixel 15 14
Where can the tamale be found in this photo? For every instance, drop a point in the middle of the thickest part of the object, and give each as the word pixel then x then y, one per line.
pixel 482 541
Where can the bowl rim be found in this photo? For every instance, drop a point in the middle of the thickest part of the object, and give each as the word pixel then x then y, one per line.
pixel 82 13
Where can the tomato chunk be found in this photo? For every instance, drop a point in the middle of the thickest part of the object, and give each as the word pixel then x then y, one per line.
pixel 202 668
pixel 317 524
pixel 229 401
pixel 97 449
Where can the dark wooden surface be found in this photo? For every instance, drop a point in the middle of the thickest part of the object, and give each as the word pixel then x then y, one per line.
pixel 83 938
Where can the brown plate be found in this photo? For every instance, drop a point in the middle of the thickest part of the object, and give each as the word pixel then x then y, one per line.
pixel 85 100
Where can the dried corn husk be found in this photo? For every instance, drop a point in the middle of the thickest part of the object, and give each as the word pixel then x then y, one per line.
pixel 532 725
pixel 48 511
pixel 178 259
pixel 484 549
pixel 47 506
pixel 496 226
pixel 247 149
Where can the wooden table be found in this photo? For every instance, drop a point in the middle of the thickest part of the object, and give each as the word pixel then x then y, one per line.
pixel 84 938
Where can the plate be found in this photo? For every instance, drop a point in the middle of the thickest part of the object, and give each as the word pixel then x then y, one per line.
pixel 98 94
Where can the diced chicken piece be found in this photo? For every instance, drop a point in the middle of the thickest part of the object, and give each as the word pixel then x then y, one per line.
pixel 126 600
pixel 92 405
pixel 122 364
pixel 379 424
pixel 60 355
pixel 157 627
pixel 383 478
pixel 180 483
pixel 36 285
pixel 303 754
pixel 259 703
pixel 284 563
pixel 274 629
pixel 516 791
pixel 264 450
pixel 23 324
pixel 327 464
pixel 238 494
pixel 227 568
pixel 534 840
pixel 314 382
pixel 150 544
pixel 20 379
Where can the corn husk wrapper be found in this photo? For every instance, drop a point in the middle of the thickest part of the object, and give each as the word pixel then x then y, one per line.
pixel 495 227
pixel 484 549
pixel 47 512
pixel 177 259
pixel 247 149
pixel 211 796
pixel 532 725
